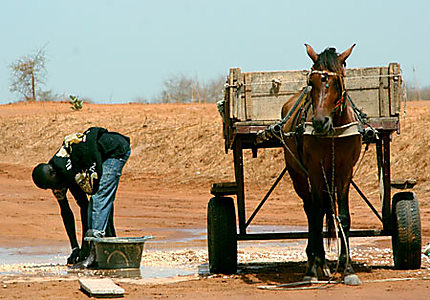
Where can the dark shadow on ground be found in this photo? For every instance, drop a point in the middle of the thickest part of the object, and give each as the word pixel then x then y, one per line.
pixel 288 272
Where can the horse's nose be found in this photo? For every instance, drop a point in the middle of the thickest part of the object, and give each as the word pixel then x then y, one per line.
pixel 321 124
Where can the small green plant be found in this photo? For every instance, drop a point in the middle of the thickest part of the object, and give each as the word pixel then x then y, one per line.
pixel 75 103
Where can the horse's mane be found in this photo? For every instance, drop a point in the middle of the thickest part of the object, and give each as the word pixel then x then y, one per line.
pixel 328 60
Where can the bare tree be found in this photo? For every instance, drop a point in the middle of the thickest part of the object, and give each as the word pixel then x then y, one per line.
pixel 213 91
pixel 181 89
pixel 28 72
pixel 176 89
pixel 415 93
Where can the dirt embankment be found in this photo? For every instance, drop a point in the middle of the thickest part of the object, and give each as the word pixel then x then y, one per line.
pixel 182 143
pixel 179 149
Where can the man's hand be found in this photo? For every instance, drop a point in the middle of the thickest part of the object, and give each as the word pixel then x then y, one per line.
pixel 74 257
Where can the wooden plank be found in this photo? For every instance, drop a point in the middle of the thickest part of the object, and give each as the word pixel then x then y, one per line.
pixel 232 81
pixel 268 107
pixel 268 100
pixel 367 100
pixel 240 97
pixel 230 96
pixel 395 89
pixel 387 123
pixel 290 82
pixel 248 96
pixel 101 287
pixel 229 110
pixel 384 101
pixel 362 78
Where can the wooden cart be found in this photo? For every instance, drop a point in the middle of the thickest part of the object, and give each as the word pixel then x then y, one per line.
pixel 252 102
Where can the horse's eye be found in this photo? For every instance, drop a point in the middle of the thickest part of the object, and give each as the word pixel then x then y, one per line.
pixel 323 78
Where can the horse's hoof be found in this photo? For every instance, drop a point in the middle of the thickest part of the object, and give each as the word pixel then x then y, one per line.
pixel 310 278
pixel 326 271
pixel 352 280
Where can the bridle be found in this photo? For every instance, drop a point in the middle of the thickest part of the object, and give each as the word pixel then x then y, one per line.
pixel 340 103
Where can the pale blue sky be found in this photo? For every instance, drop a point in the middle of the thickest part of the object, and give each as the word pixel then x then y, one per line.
pixel 116 51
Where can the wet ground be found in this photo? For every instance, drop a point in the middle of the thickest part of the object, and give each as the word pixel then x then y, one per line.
pixel 177 253
pixel 183 253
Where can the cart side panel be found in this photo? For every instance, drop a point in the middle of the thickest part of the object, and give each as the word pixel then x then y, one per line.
pixel 364 88
pixel 270 90
pixel 257 96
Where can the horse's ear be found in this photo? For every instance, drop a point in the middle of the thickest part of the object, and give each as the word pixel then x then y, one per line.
pixel 344 55
pixel 311 52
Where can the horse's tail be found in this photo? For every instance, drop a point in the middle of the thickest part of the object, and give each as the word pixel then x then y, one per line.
pixel 330 211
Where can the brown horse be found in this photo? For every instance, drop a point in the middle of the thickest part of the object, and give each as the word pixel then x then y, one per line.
pixel 321 155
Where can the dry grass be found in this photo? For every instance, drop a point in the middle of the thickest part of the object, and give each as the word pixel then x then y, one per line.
pixel 183 144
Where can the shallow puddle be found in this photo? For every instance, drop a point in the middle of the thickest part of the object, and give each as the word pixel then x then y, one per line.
pixel 172 253
pixel 42 262
pixel 33 255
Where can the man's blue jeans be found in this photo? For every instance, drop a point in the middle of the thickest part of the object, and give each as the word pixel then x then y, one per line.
pixel 101 203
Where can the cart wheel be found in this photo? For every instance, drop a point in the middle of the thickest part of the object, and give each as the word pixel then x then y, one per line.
pixel 222 240
pixel 406 231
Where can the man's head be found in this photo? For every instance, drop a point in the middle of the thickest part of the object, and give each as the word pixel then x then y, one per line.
pixel 45 177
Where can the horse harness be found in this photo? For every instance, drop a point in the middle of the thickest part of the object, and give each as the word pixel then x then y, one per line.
pixel 299 111
pixel 297 115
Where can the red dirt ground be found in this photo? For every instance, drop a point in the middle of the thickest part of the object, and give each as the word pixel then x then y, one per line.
pixel 177 152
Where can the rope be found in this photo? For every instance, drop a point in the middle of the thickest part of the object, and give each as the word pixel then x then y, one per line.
pixel 279 132
pixel 271 82
pixel 335 217
pixel 374 76
pixel 304 80
pixel 302 167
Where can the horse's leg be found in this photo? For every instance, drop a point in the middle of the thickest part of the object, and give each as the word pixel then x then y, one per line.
pixel 301 186
pixel 316 266
pixel 345 221
pixel 313 205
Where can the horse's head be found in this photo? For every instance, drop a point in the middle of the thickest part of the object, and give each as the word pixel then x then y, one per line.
pixel 328 90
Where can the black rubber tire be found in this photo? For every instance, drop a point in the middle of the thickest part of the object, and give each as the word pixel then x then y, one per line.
pixel 406 238
pixel 222 236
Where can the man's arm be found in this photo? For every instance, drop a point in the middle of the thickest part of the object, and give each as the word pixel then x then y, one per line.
pixel 82 200
pixel 67 216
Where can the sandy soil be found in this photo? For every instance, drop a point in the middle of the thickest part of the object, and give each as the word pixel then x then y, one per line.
pixel 177 153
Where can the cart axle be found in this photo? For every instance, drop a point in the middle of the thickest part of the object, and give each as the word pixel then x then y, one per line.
pixel 304 235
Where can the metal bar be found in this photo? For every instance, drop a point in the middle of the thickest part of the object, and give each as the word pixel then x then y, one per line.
pixel 386 181
pixel 238 171
pixel 366 200
pixel 304 235
pixel 266 197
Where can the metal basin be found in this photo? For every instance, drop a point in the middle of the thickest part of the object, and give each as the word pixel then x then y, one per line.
pixel 118 252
